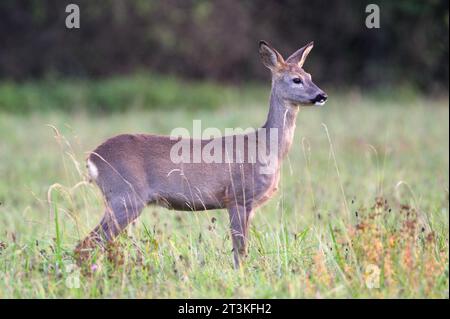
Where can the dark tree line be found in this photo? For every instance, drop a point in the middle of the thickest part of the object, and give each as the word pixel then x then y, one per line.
pixel 218 39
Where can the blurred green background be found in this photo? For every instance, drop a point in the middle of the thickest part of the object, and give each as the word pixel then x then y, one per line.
pixel 147 54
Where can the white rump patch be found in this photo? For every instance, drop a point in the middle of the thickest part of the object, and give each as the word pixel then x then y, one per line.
pixel 93 171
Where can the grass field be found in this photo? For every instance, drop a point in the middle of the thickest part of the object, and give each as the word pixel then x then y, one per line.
pixel 362 211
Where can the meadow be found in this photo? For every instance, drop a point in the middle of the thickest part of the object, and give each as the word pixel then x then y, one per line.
pixel 362 210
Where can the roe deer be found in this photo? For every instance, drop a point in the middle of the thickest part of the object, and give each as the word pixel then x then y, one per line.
pixel 134 170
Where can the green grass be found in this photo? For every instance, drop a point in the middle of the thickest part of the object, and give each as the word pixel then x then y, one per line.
pixel 373 195
pixel 118 94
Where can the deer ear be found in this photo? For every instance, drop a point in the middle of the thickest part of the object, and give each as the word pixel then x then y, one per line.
pixel 269 56
pixel 300 55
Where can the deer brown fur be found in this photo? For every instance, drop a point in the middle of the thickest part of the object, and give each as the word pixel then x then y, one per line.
pixel 135 170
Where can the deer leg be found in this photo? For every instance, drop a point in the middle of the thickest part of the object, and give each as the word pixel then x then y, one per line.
pixel 120 212
pixel 240 222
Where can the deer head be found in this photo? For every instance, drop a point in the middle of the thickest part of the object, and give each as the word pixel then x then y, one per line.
pixel 289 81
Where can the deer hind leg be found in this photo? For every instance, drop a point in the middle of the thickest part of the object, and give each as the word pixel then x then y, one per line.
pixel 239 222
pixel 120 211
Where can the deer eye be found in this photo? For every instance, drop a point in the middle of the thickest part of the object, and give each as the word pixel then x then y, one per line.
pixel 297 80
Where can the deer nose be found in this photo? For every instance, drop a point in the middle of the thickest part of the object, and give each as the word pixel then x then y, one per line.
pixel 320 98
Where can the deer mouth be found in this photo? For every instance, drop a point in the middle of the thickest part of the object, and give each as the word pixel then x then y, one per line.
pixel 320 99
pixel 320 103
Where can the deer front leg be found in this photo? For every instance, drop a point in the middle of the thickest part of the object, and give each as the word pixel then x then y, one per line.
pixel 240 222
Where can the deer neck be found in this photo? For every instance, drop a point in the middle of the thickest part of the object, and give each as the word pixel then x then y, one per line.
pixel 282 117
